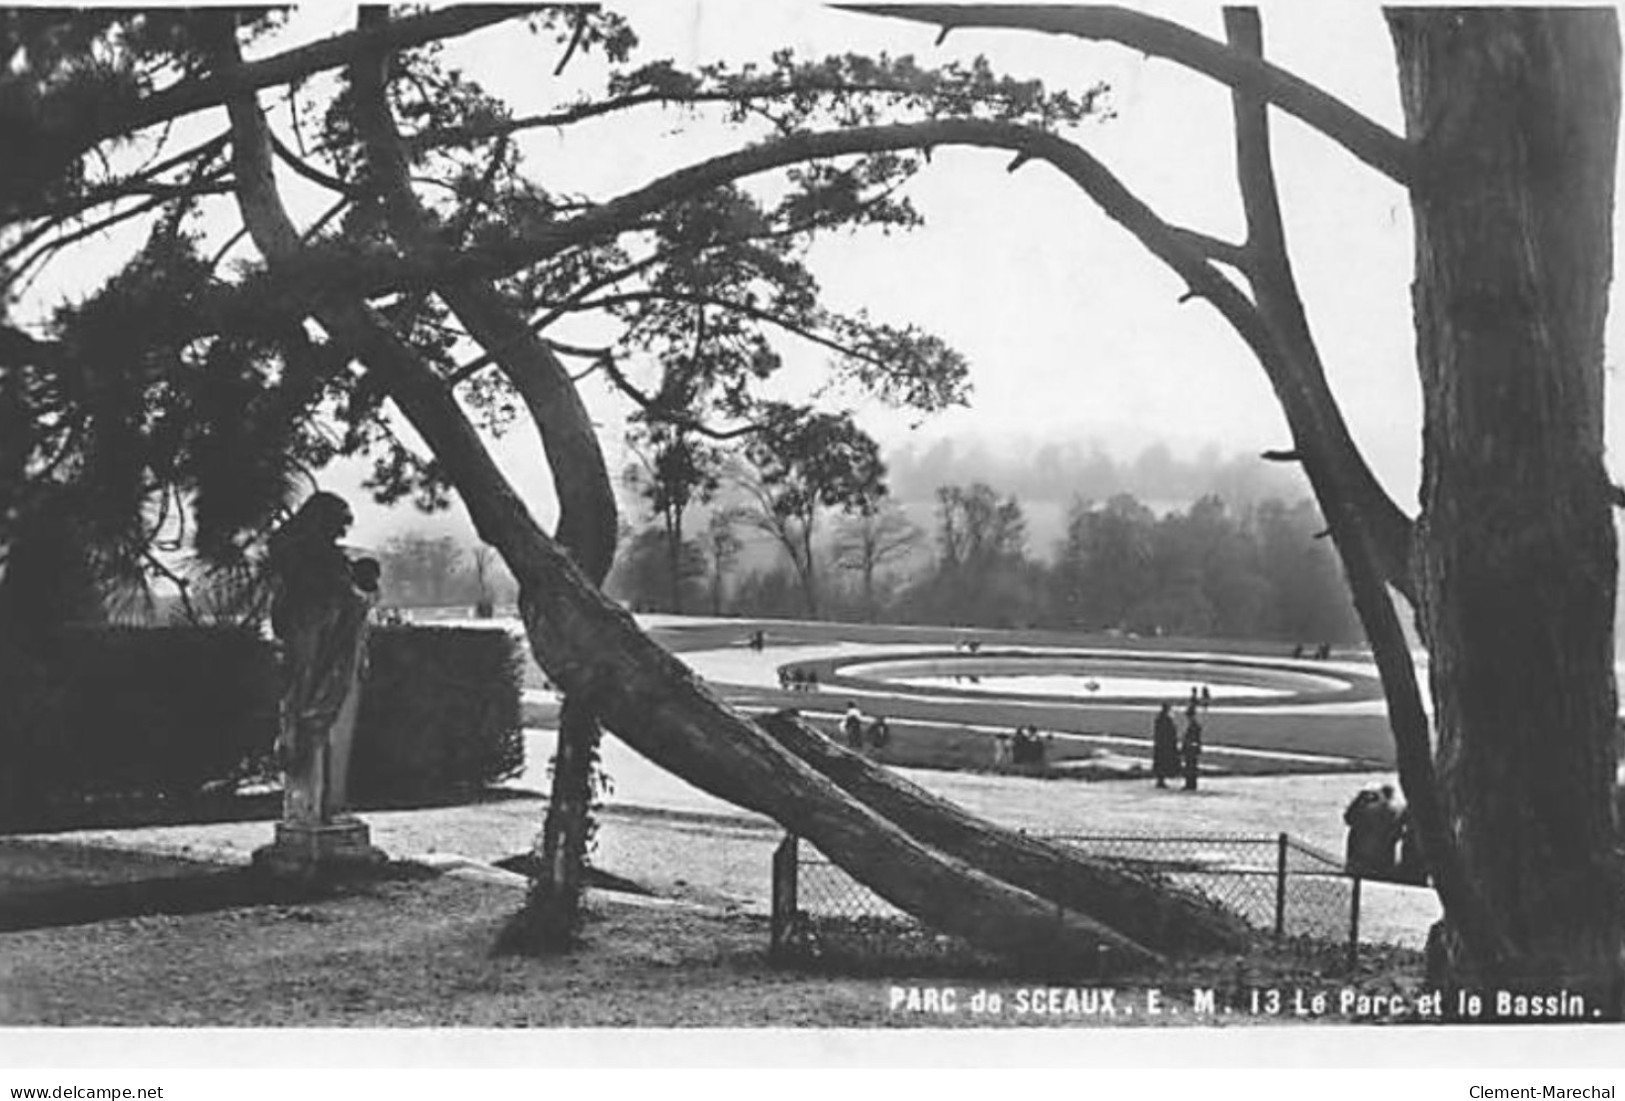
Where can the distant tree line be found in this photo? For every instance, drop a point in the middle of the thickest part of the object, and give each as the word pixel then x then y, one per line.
pixel 1055 472
pixel 1208 570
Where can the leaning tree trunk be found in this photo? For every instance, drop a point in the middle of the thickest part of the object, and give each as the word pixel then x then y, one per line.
pixel 587 516
pixel 592 648
pixel 1514 116
pixel 1163 916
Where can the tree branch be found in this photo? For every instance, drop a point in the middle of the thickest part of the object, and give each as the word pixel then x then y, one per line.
pixel 579 295
pixel 1342 479
pixel 582 112
pixel 212 186
pixel 1377 146
pixel 587 511
pixel 310 171
pixel 662 415
pixel 744 308
pixel 1372 536
pixel 138 183
pixel 1223 252
pixel 75 134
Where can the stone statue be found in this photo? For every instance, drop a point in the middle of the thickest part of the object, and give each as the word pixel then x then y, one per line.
pixel 320 613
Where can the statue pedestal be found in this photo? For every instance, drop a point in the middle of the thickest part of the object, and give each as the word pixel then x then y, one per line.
pixel 304 850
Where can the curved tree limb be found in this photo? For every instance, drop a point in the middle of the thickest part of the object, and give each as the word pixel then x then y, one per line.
pixel 336 270
pixel 1372 536
pixel 1269 272
pixel 587 527
pixel 439 137
pixel 309 171
pixel 587 512
pixel 1377 146
pixel 625 385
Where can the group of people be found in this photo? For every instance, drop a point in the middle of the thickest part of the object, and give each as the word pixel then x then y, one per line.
pixel 1026 748
pixel 1382 841
pixel 798 680
pixel 875 734
pixel 1175 753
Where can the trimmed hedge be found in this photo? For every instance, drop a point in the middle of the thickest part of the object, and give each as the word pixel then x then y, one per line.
pixel 164 713
pixel 439 713
pixel 131 711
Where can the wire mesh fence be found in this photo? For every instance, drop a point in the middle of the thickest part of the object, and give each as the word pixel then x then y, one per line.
pixel 1280 885
pixel 1277 884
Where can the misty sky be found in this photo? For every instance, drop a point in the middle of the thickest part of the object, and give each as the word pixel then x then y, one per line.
pixel 1071 329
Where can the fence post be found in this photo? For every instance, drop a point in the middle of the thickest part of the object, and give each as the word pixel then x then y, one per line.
pixel 1354 926
pixel 786 873
pixel 1280 886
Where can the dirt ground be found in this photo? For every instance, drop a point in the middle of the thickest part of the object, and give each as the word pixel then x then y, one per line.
pixel 418 953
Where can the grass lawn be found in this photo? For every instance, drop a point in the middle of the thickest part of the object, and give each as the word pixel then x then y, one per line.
pixel 37 868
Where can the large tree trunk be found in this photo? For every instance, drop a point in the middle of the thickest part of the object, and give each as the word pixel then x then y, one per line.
pixel 1514 115
pixel 587 515
pixel 1163 917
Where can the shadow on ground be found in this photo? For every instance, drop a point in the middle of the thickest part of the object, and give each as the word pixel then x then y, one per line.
pixel 261 806
pixel 47 885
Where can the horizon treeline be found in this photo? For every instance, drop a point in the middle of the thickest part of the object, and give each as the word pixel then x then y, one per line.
pixel 1057 472
pixel 1209 570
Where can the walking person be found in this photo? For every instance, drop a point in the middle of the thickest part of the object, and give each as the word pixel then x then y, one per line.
pixel 1190 750
pixel 1001 752
pixel 852 726
pixel 1164 746
pixel 1020 748
pixel 1038 747
pixel 879 735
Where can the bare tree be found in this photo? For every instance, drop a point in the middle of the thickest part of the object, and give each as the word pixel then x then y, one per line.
pixel 484 595
pixel 871 539
pixel 722 546
pixel 798 466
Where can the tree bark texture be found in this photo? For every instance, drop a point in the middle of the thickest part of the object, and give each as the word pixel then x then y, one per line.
pixel 587 513
pixel 1514 117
